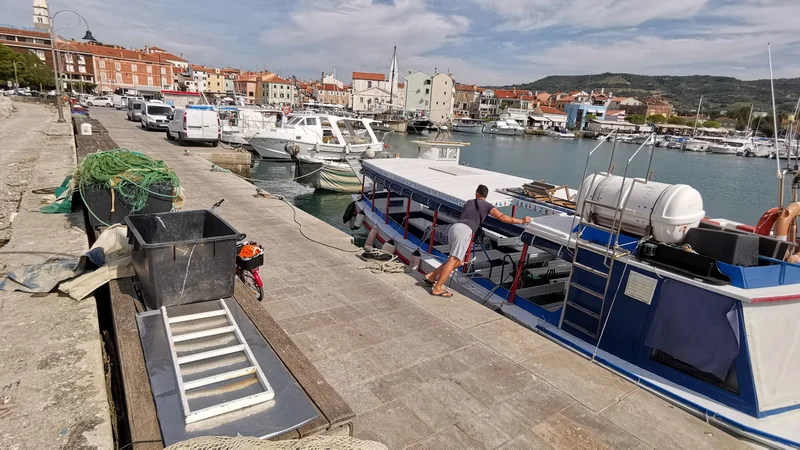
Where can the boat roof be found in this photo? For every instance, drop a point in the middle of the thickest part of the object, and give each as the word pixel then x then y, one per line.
pixel 445 180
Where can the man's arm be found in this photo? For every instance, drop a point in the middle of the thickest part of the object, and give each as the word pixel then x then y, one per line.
pixel 508 219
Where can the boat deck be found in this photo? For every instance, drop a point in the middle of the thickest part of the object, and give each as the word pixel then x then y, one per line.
pixel 423 372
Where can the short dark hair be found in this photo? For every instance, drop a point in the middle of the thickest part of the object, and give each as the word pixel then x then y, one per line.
pixel 482 190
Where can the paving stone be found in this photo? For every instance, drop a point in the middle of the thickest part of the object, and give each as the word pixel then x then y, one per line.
pixel 539 403
pixel 578 427
pixel 310 347
pixel 494 426
pixel 359 398
pixel 284 309
pixel 392 424
pixel 337 339
pixel 526 441
pixel 511 340
pixel 442 403
pixel 476 355
pixel 590 384
pixel 395 385
pixel 496 382
pixel 408 320
pixel 461 314
pixel 443 367
pixel 290 292
pixel 661 425
pixel 440 340
pixel 301 324
pixel 316 302
pixel 348 369
pixel 449 439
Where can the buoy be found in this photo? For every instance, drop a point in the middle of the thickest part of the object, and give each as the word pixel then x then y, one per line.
pixel 359 220
pixel 369 153
pixel 413 263
pixel 352 222
pixel 388 247
pixel 371 237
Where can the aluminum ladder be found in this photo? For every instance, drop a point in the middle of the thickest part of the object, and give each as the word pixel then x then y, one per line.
pixel 253 368
pixel 610 252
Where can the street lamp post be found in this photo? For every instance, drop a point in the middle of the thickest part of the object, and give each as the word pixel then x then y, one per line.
pixel 87 37
pixel 16 81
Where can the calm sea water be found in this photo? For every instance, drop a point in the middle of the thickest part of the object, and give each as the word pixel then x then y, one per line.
pixel 732 187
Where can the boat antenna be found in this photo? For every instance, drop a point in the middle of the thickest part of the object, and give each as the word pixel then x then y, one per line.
pixel 778 174
pixel 392 69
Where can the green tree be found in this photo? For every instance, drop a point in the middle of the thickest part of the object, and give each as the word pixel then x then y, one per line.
pixel 591 116
pixel 711 124
pixel 656 118
pixel 637 119
pixel 31 71
pixel 504 104
pixel 676 120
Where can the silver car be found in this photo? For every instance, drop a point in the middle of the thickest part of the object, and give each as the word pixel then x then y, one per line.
pixel 135 110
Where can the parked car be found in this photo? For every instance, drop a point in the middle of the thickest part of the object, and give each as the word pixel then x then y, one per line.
pixel 120 101
pixel 101 101
pixel 135 110
pixel 194 125
pixel 155 115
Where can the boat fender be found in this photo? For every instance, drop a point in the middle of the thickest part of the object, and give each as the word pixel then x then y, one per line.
pixel 316 147
pixel 292 149
pixel 369 153
pixel 766 222
pixel 347 149
pixel 389 247
pixel 413 263
pixel 371 237
pixel 359 220
pixel 349 212
pixel 785 220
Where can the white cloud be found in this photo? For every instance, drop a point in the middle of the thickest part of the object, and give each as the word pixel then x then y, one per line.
pixel 526 15
pixel 359 35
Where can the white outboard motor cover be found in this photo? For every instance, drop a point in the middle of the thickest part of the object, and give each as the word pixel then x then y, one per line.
pixel 667 211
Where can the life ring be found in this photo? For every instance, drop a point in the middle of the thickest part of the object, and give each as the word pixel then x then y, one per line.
pixel 286 109
pixel 767 221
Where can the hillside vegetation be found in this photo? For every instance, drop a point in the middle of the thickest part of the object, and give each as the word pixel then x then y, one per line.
pixel 719 93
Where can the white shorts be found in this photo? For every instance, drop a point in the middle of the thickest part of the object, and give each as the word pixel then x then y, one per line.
pixel 459 237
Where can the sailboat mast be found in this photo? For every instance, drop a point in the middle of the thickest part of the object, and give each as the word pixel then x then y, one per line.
pixel 392 69
pixel 697 116
pixel 775 125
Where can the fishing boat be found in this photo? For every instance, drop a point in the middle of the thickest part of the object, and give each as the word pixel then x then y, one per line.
pixel 239 124
pixel 559 133
pixel 627 271
pixel 468 125
pixel 506 127
pixel 417 125
pixel 323 136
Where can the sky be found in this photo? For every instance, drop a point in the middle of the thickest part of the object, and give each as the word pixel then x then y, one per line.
pixel 487 42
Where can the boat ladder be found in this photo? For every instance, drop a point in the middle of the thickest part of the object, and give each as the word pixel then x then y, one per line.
pixel 355 166
pixel 593 308
pixel 252 368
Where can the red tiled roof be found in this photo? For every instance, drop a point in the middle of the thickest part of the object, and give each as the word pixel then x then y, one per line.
pixel 200 68
pixel 568 98
pixel 551 110
pixel 527 97
pixel 170 56
pixel 615 112
pixel 369 76
pixel 512 93
pixel 401 85
pixel 28 33
pixel 468 87
pixel 543 96
pixel 333 87
pixel 276 79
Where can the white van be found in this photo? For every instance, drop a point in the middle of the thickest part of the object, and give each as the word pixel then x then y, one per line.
pixel 120 101
pixel 195 125
pixel 155 115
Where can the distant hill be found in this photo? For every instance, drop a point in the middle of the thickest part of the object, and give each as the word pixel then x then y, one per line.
pixel 719 93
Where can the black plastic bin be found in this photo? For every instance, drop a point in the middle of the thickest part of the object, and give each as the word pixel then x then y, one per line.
pixel 98 200
pixel 183 257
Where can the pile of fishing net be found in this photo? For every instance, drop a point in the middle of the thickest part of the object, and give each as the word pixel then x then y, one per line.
pixel 131 175
pixel 251 443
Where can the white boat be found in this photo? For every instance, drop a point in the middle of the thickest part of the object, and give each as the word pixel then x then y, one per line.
pixel 559 134
pixel 507 127
pixel 323 136
pixel 733 146
pixel 468 125
pixel 240 124
pixel 710 330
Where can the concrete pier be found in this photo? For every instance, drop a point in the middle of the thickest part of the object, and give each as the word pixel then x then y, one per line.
pixel 52 380
pixel 419 371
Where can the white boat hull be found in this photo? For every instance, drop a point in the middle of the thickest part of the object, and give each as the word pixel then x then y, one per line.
pixel 276 148
pixel 505 131
pixel 473 129
pixel 328 175
pixel 268 148
pixel 723 150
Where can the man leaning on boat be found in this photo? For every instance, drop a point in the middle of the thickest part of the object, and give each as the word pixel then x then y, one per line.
pixel 460 237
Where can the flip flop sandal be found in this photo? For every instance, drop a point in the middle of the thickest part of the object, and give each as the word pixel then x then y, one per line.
pixel 428 282
pixel 444 294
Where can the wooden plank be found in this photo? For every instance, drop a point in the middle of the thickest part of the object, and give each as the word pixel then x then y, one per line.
pixel 140 407
pixel 334 412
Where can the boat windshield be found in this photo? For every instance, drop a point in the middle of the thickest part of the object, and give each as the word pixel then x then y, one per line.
pixel 354 131
pixel 512 123
pixel 295 120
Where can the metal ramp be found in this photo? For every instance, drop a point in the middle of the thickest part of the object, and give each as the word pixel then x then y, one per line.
pixel 252 368
pixel 593 310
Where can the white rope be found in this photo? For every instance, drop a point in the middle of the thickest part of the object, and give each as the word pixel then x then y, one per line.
pixel 390 266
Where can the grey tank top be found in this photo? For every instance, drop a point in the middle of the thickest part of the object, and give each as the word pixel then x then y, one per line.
pixel 472 216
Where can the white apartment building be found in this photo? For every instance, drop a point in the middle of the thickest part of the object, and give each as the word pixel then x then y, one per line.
pixel 277 91
pixel 417 92
pixel 199 76
pixel 372 92
pixel 443 91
